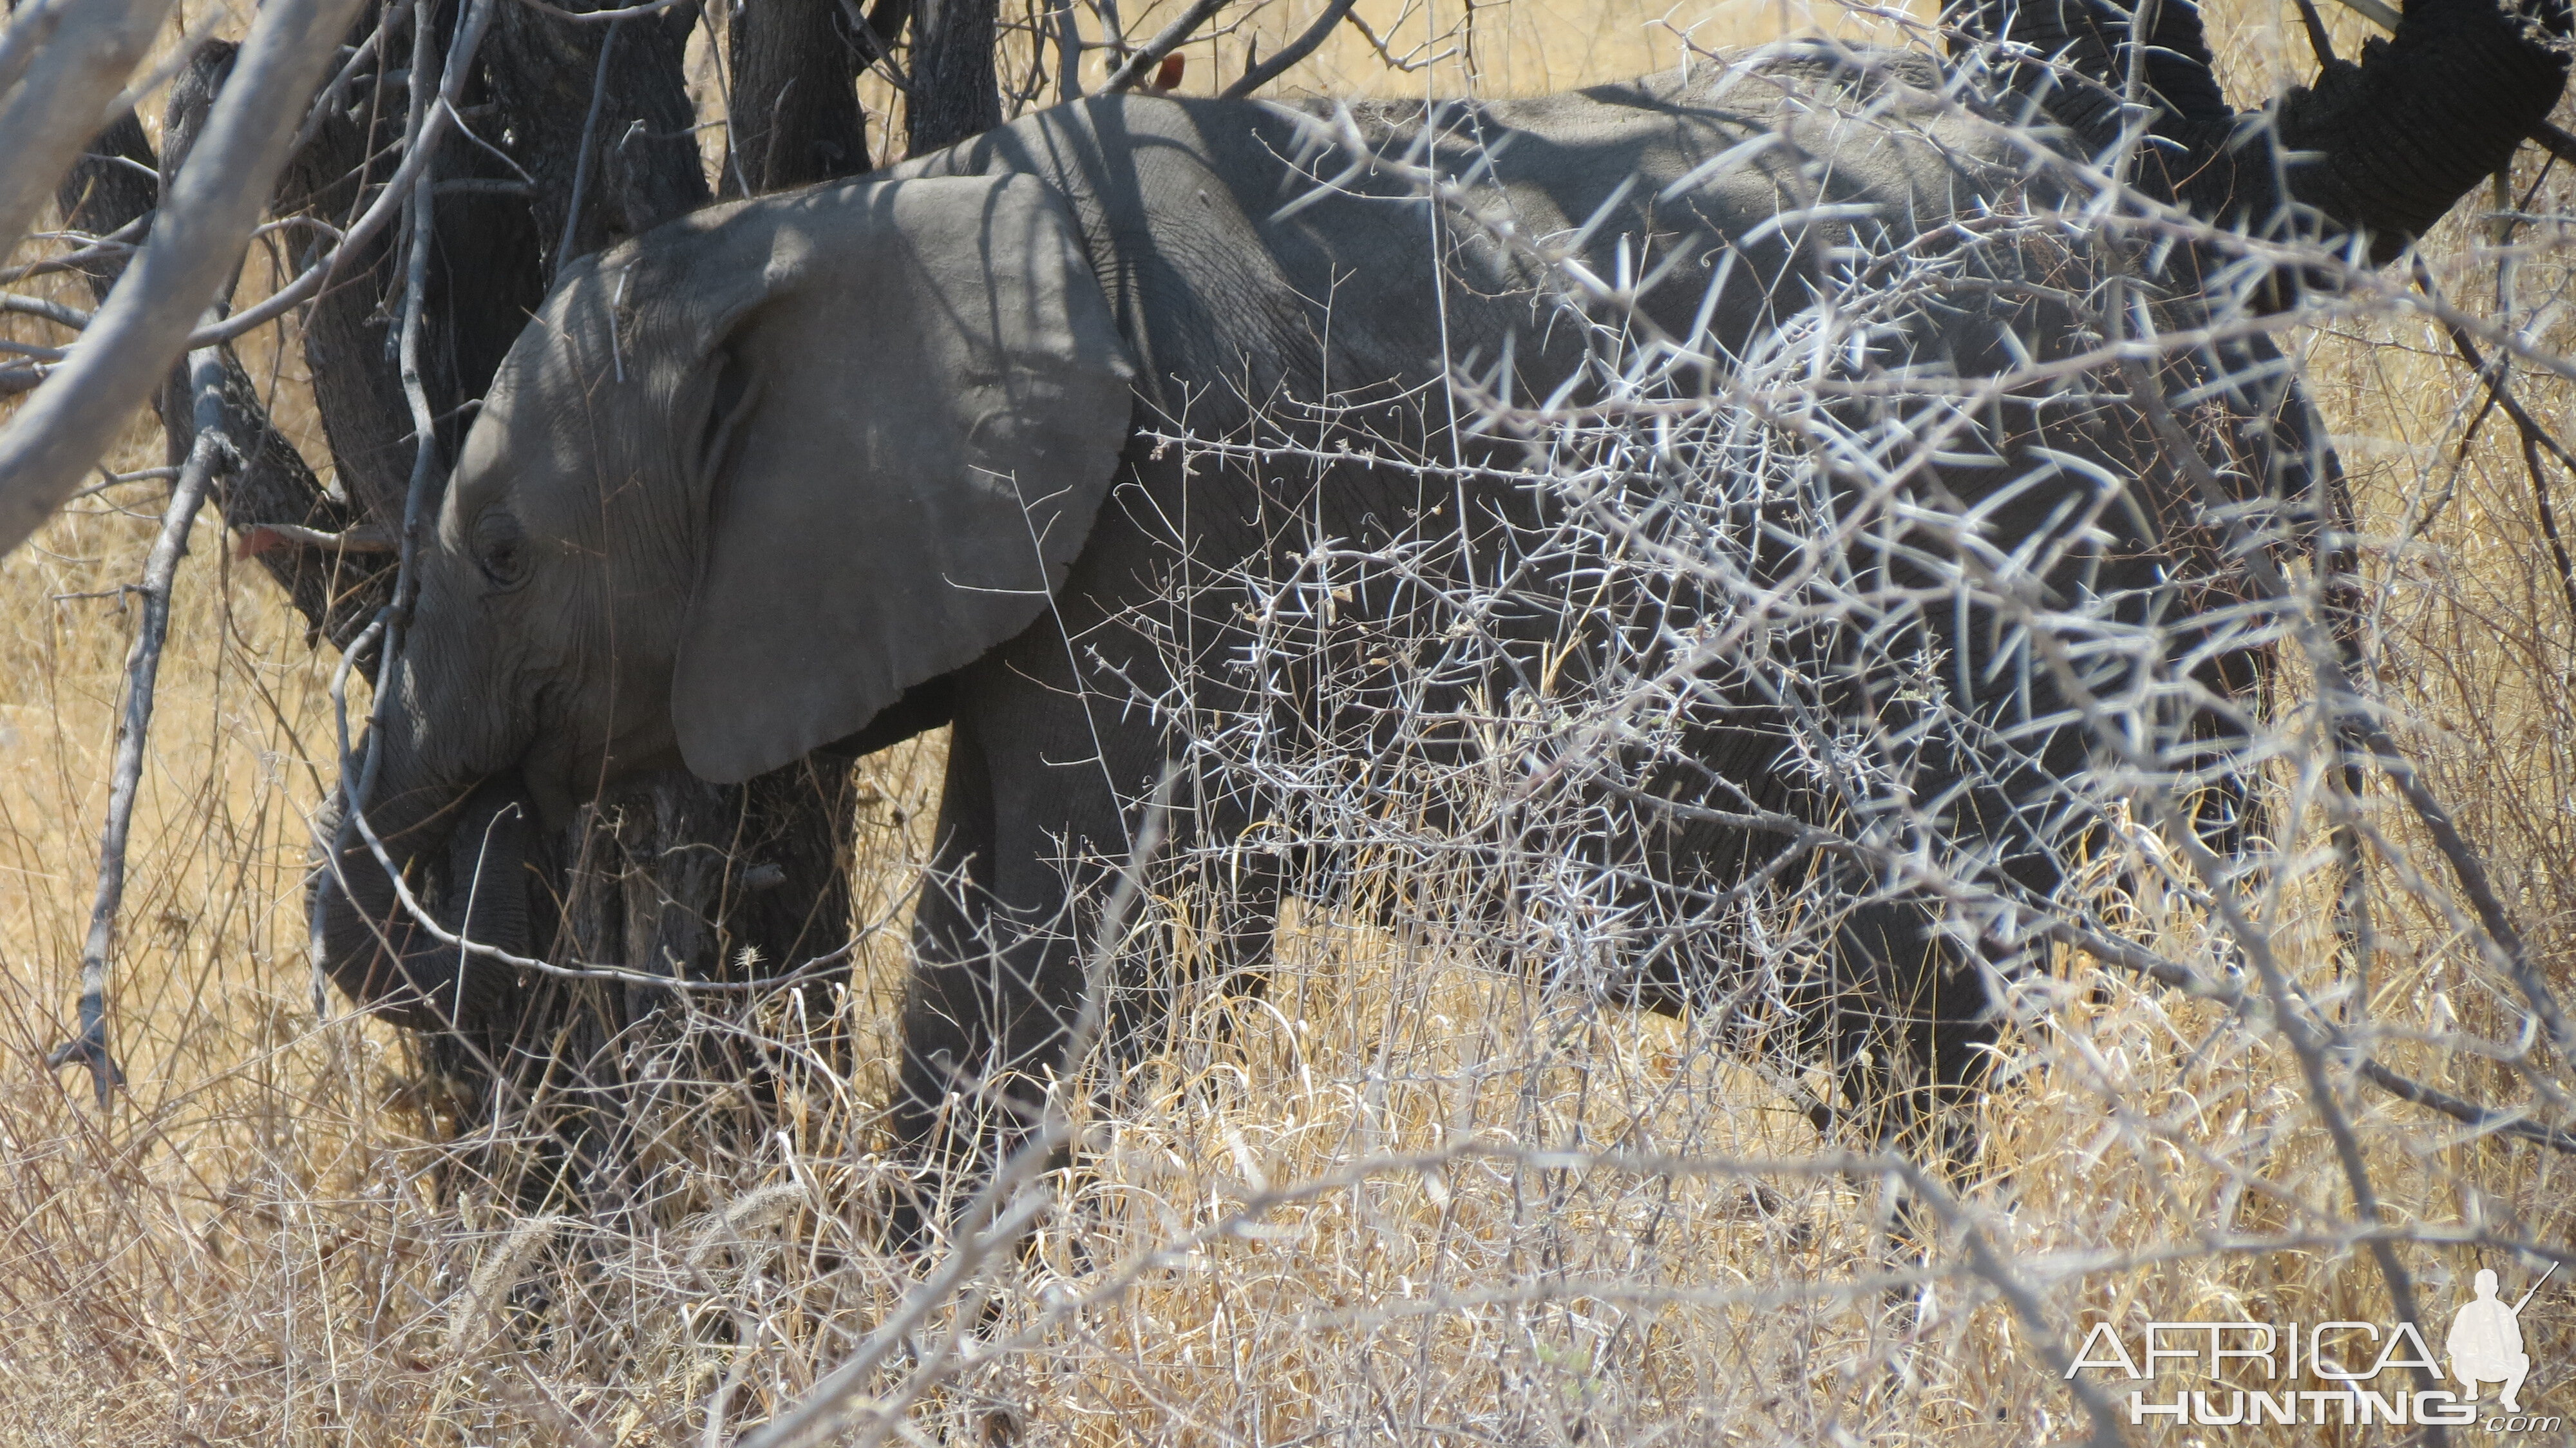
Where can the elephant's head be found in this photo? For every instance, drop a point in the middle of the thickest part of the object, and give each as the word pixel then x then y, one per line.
pixel 740 484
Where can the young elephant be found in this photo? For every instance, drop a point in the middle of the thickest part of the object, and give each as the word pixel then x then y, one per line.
pixel 825 469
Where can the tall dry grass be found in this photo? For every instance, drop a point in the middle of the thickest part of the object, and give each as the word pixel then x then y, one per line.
pixel 1400 1197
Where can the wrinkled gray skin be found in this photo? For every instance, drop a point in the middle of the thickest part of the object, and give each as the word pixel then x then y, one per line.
pixel 829 468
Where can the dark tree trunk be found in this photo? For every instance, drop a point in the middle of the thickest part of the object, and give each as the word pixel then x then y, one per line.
pixel 348 338
pixel 113 186
pixel 955 93
pixel 2386 146
pixel 484 278
pixel 795 106
pixel 690 880
pixel 673 876
pixel 656 877
pixel 669 875
pixel 601 119
pixel 712 882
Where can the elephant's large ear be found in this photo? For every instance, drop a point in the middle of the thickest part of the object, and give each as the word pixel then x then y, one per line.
pixel 906 428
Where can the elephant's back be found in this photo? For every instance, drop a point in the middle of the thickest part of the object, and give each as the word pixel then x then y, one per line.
pixel 1298 249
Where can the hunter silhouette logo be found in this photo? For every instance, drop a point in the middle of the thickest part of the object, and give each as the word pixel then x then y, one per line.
pixel 2486 1342
pixel 2339 1372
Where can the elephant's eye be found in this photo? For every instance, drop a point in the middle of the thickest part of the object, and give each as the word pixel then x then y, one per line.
pixel 501 549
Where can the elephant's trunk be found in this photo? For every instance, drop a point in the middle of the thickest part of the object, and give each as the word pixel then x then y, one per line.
pixel 463 851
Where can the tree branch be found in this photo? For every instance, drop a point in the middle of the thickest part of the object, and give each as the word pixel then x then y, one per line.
pixel 52 110
pixel 2485 1118
pixel 1172 37
pixel 1295 51
pixel 142 670
pixel 196 243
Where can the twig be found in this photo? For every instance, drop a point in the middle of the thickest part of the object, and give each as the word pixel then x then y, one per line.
pixel 2379 13
pixel 142 670
pixel 117 243
pixel 379 214
pixel 2484 1118
pixel 360 57
pixel 589 137
pixel 109 480
pixel 2555 141
pixel 873 35
pixel 358 777
pixel 2470 868
pixel 2319 42
pixel 1067 35
pixel 54 312
pixel 1295 51
pixel 2499 389
pixel 608 17
pixel 2539 475
pixel 263 537
pixel 1135 67
pixel 2173 975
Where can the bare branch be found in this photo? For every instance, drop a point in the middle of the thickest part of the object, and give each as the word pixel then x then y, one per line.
pixel 54 312
pixel 203 223
pixel 211 452
pixel 261 537
pixel 1171 37
pixel 1294 51
pixel 50 111
pixel 606 15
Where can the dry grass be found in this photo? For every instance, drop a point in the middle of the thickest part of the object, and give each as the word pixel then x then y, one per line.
pixel 1330 1213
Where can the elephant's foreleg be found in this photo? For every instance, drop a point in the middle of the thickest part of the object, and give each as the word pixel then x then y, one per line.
pixel 950 1002
pixel 1231 904
pixel 1912 1030
pixel 997 981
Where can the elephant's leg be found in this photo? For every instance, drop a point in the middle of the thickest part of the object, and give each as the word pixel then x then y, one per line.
pixel 1930 986
pixel 1232 899
pixel 1912 1037
pixel 1246 905
pixel 1913 1029
pixel 950 1001
pixel 1884 956
pixel 1032 837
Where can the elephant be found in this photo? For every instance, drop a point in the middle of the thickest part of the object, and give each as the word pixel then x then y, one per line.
pixel 822 470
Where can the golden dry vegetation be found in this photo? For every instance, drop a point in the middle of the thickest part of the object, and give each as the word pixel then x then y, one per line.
pixel 1327 1215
